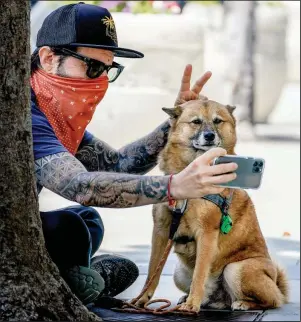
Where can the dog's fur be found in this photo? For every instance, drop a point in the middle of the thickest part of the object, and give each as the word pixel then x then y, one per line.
pixel 214 270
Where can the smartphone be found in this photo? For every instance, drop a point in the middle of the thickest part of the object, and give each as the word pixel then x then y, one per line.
pixel 249 171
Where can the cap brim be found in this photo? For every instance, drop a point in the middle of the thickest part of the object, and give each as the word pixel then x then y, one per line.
pixel 118 51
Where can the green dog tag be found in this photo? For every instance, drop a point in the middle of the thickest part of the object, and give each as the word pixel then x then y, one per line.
pixel 226 224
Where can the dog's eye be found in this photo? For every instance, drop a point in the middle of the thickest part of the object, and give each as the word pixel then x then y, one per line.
pixel 217 121
pixel 197 121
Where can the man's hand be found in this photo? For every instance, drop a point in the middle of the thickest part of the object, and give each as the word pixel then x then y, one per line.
pixel 186 93
pixel 200 178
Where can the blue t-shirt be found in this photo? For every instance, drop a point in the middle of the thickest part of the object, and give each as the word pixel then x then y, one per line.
pixel 45 142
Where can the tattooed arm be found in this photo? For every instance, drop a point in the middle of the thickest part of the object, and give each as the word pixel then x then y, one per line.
pixel 63 174
pixel 138 157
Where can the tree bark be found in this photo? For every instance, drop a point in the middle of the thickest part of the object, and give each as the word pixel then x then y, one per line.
pixel 30 285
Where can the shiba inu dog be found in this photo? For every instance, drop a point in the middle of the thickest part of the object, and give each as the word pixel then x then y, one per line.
pixel 215 270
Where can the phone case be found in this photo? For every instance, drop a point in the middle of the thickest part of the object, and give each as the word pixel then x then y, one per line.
pixel 249 171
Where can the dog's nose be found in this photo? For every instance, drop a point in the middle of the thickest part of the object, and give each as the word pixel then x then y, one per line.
pixel 209 136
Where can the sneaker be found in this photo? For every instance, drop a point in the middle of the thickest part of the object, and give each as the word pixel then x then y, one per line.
pixel 84 282
pixel 119 273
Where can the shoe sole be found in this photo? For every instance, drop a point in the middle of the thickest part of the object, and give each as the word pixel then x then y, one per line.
pixel 86 283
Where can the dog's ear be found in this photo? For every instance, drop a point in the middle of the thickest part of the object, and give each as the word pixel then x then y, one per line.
pixel 230 108
pixel 173 112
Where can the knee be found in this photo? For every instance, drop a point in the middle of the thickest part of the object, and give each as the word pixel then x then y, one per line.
pixel 75 227
pixel 90 216
pixel 94 224
pixel 94 217
pixel 67 238
pixel 93 220
pixel 62 220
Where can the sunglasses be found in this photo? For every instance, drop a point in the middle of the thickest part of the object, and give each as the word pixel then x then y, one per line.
pixel 95 67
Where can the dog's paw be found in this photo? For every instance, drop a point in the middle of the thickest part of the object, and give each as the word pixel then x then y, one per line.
pixel 182 299
pixel 141 302
pixel 190 307
pixel 240 306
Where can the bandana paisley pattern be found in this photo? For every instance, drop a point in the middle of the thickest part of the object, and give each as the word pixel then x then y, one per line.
pixel 68 103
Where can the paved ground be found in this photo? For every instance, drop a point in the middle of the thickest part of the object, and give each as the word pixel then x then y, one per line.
pixel 128 231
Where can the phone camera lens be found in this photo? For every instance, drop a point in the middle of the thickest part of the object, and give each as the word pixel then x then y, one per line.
pixel 255 164
pixel 260 164
pixel 256 170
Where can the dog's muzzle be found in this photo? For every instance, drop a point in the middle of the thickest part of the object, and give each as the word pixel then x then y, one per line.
pixel 206 140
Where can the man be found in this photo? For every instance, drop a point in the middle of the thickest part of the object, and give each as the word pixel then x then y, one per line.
pixel 70 73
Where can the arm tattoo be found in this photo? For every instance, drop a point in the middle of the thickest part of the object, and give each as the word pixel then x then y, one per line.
pixel 138 157
pixel 63 174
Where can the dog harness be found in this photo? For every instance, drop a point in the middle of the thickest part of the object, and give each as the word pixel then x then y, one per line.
pixel 221 202
pixel 224 205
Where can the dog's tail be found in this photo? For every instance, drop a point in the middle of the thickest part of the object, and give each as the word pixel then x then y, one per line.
pixel 282 283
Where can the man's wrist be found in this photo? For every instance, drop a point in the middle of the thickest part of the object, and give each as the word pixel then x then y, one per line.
pixel 173 188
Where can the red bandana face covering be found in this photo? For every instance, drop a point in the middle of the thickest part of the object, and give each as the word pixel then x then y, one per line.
pixel 68 103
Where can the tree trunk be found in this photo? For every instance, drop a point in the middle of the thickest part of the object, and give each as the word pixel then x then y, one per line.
pixel 239 47
pixel 30 284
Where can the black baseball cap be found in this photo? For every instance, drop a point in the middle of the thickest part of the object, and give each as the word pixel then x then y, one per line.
pixel 82 25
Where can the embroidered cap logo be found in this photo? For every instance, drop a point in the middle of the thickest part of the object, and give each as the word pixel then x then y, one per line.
pixel 110 28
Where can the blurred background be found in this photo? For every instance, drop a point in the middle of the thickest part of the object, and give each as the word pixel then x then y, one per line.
pixel 253 50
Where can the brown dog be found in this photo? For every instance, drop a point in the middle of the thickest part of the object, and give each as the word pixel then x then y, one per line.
pixel 215 270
